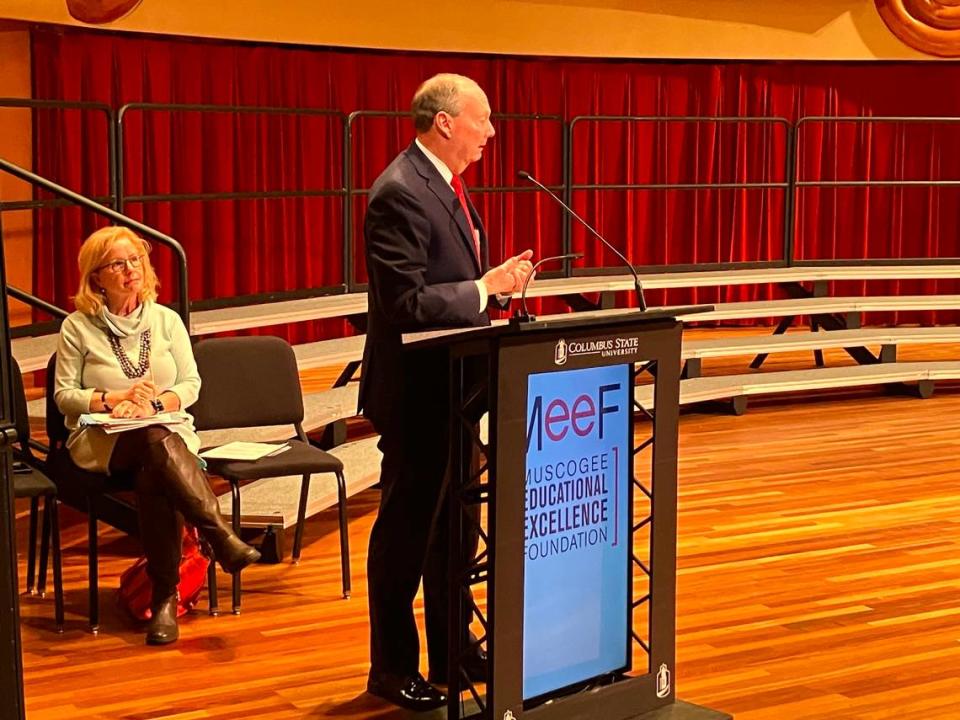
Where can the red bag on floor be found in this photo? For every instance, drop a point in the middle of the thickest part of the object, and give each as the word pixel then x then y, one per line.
pixel 136 589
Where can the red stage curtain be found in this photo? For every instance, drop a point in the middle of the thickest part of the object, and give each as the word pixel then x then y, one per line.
pixel 239 247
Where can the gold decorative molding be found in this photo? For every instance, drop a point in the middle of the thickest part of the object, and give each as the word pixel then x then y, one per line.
pixel 101 12
pixel 930 26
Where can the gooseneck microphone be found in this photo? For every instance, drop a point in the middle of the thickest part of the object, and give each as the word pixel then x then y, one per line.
pixel 523 174
pixel 521 315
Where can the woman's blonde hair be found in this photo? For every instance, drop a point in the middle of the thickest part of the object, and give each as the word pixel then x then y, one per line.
pixel 93 253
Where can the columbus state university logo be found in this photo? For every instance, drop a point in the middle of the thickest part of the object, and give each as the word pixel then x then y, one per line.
pixel 560 353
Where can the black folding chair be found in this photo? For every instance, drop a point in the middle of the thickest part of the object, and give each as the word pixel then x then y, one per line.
pixel 29 481
pixel 253 382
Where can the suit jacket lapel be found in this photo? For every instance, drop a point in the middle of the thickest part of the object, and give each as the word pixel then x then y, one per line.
pixel 447 197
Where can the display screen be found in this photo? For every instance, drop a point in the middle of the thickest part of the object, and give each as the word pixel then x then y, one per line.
pixel 577 536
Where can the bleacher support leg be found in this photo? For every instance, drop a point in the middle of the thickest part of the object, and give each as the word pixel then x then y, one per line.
pixel 818 353
pixel 333 435
pixel 924 389
pixel 781 328
pixel 271 546
pixel 692 368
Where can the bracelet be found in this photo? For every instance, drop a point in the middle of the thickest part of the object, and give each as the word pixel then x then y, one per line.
pixel 103 400
pixel 157 405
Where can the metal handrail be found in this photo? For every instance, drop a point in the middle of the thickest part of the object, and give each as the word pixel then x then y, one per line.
pixel 119 219
pixel 34 301
pixel 31 104
pixel 910 120
pixel 786 185
pixel 799 185
pixel 239 195
pixel 225 109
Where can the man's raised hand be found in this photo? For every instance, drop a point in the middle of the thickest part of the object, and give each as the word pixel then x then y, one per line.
pixel 509 276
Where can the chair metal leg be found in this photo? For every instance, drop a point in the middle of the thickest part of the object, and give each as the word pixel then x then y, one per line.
pixel 32 547
pixel 344 535
pixel 93 599
pixel 51 507
pixel 301 517
pixel 235 492
pixel 44 551
pixel 214 608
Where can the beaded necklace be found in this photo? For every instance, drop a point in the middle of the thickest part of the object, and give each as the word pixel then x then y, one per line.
pixel 129 369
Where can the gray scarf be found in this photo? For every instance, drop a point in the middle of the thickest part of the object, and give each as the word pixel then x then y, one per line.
pixel 126 325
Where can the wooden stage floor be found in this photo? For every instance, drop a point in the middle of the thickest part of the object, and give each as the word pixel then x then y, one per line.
pixel 819 577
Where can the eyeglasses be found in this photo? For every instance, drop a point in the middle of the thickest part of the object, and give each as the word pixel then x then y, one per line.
pixel 118 266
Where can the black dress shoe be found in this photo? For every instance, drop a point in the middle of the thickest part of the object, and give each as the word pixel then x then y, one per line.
pixel 475 665
pixel 410 692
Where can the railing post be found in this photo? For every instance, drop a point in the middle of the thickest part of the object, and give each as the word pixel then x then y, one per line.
pixel 789 202
pixel 11 659
pixel 118 159
pixel 349 267
pixel 566 227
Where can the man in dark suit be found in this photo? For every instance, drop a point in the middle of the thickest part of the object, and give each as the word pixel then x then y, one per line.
pixel 427 256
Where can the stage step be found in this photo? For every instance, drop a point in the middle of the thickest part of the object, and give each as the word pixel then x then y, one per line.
pixel 790 342
pixel 320 408
pixel 824 306
pixel 325 353
pixel 32 353
pixel 274 501
pixel 726 387
pixel 721 278
pixel 206 322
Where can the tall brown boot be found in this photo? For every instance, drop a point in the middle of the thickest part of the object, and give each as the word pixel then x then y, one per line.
pixel 161 534
pixel 187 487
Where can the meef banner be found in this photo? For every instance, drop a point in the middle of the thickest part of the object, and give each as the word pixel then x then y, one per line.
pixel 577 534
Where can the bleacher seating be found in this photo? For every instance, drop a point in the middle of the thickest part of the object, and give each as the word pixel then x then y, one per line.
pixel 269 505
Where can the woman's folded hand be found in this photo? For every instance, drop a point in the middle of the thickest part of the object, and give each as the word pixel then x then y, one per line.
pixel 129 409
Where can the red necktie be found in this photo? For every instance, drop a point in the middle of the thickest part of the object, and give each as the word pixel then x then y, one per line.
pixel 457 184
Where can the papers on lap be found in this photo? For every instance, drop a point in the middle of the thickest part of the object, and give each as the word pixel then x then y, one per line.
pixel 112 425
pixel 238 450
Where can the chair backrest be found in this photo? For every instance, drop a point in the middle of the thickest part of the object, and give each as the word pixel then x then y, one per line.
pixel 56 424
pixel 247 382
pixel 21 421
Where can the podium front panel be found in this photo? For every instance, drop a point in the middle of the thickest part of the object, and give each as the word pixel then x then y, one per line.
pixel 582 523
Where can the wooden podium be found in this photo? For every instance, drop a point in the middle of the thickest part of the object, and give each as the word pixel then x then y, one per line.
pixel 632 516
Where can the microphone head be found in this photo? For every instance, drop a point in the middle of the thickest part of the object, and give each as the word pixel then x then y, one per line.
pixel 523 174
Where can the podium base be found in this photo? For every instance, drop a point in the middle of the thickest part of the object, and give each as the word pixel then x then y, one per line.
pixel 681 710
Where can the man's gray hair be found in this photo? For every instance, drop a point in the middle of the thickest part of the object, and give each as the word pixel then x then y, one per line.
pixel 442 92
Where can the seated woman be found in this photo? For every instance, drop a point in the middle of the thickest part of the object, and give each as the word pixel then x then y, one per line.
pixel 124 354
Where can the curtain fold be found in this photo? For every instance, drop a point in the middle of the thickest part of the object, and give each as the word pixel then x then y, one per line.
pixel 253 246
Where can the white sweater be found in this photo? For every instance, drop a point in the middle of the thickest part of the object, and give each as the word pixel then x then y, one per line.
pixel 86 363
